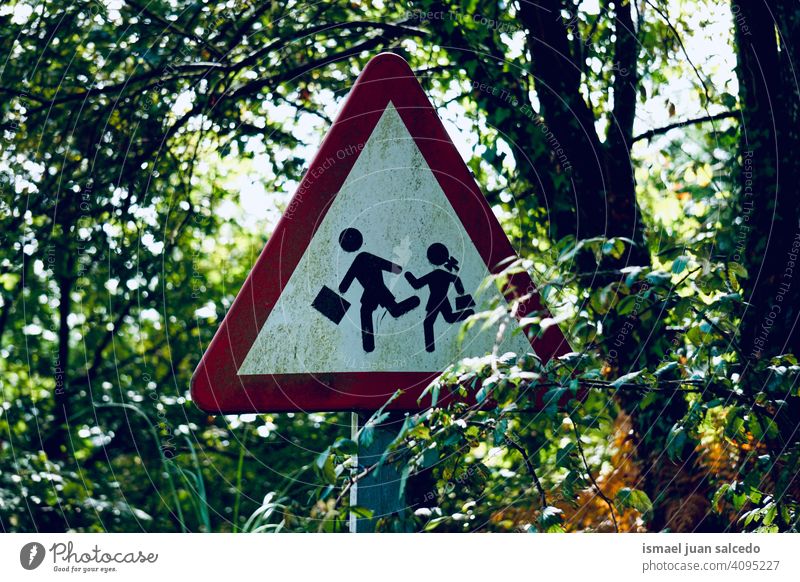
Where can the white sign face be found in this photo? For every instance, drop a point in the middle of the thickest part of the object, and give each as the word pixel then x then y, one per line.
pixel 387 280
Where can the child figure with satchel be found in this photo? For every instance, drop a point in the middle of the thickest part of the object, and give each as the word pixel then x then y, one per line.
pixel 438 282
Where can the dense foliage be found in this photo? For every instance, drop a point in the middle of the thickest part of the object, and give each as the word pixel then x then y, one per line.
pixel 642 167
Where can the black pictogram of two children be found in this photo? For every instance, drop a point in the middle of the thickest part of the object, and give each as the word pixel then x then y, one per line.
pixel 368 270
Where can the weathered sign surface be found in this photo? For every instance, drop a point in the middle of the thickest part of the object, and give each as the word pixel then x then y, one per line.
pixel 377 262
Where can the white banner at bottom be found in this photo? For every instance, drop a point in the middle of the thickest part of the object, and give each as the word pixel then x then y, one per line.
pixel 383 557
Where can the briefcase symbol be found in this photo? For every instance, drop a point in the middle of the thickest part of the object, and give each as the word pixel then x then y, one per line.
pixel 331 304
pixel 464 302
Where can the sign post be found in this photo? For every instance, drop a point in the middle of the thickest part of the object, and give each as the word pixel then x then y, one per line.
pixel 363 287
pixel 378 491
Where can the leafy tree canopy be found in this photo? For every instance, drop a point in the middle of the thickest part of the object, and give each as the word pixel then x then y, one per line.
pixel 149 146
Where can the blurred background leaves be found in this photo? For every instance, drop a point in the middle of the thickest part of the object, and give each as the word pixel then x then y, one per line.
pixel 639 153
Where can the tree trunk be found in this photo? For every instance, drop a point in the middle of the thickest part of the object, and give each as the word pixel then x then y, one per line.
pixel 770 139
pixel 56 445
pixel 601 174
pixel 500 89
pixel 586 185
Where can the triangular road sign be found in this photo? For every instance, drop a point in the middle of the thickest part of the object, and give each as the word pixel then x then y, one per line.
pixel 379 257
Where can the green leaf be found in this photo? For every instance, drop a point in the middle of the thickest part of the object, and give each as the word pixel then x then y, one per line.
pixel 771 429
pixel 324 466
pixel 614 247
pixel 737 269
pixel 647 400
pixel 554 395
pixel 569 252
pixel 626 379
pixel 676 440
pixel 550 518
pixel 665 369
pixel 571 484
pixel 634 498
pixel 484 391
pixel 361 512
pixel 720 495
pixel 404 475
pixel 770 513
pixel 367 434
pixel 734 427
pixel 679 264
pixel 500 432
pixel 435 395
pixel 754 426
pixel 345 446
pixel 739 498
pixel 729 100
pixel 700 335
pixel 563 456
pixel 627 304
pixel 659 278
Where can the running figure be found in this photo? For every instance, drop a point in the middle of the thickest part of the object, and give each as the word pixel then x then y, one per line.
pixel 368 270
pixel 439 281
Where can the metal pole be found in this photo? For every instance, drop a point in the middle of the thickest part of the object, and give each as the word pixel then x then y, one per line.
pixel 379 491
pixel 352 520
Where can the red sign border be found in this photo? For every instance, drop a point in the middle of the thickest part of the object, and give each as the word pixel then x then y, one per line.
pixel 216 387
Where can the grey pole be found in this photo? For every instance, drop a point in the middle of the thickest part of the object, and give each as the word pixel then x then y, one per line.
pixel 379 491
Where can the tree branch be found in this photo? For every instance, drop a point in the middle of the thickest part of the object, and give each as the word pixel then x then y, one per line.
pixel 592 479
pixel 91 372
pixel 259 84
pixel 175 28
pixel 518 447
pixel 626 79
pixel 392 30
pixel 675 32
pixel 705 119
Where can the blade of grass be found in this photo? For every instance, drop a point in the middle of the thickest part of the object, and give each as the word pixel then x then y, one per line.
pixel 239 469
pixel 164 461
